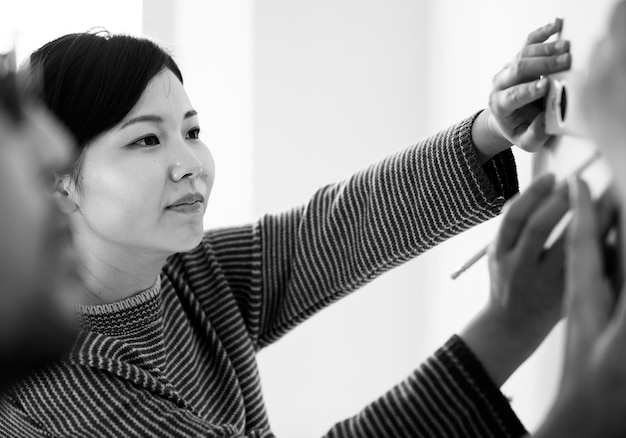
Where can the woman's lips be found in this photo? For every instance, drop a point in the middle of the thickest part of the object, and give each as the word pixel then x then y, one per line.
pixel 191 203
pixel 188 208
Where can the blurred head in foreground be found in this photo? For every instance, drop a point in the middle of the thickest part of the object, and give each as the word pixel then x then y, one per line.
pixel 606 95
pixel 35 256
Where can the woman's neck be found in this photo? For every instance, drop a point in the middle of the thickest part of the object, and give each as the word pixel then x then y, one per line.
pixel 110 272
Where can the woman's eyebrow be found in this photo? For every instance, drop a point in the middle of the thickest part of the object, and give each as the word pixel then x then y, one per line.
pixel 190 113
pixel 154 118
pixel 145 118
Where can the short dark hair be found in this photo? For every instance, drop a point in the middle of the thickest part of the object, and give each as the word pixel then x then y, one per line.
pixel 92 80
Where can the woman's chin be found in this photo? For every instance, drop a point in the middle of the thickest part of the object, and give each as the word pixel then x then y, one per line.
pixel 187 243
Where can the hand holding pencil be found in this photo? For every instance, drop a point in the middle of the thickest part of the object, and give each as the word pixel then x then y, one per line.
pixel 483 251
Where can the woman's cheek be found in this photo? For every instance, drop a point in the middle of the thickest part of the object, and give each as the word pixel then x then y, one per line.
pixel 122 208
pixel 208 164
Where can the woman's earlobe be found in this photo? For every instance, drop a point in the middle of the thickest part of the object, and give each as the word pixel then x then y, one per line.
pixel 64 194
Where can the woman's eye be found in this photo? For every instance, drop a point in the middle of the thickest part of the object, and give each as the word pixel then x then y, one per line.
pixel 193 134
pixel 148 140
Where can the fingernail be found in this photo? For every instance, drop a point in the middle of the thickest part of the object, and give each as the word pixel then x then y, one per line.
pixel 563 59
pixel 541 83
pixel 562 45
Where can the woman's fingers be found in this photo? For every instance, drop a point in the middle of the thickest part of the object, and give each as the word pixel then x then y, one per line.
pixel 555 255
pixel 545 49
pixel 519 85
pixel 552 210
pixel 528 69
pixel 507 101
pixel 541 223
pixel 518 212
pixel 589 299
pixel 544 32
pixel 533 136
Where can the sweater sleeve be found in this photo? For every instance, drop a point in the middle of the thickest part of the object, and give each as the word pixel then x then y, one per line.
pixel 288 266
pixel 450 395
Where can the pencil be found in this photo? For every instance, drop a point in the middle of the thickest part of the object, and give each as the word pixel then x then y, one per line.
pixel 480 254
pixel 468 264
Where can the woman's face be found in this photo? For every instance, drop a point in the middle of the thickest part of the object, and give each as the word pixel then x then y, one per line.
pixel 145 183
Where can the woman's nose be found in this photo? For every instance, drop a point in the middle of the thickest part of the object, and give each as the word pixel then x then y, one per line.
pixel 187 166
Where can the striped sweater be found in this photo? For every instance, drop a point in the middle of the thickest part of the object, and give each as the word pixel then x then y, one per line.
pixel 178 359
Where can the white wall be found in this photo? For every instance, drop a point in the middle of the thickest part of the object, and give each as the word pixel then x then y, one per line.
pixel 338 85
pixel 34 23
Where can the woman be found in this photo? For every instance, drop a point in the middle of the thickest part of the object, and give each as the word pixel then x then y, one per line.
pixel 171 317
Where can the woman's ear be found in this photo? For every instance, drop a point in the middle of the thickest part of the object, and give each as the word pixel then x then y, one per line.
pixel 65 194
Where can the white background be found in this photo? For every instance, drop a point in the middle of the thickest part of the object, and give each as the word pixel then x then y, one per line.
pixel 294 94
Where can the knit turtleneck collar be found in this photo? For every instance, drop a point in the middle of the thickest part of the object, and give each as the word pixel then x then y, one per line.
pixel 126 315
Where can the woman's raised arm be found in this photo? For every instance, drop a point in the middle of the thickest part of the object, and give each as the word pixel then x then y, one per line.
pixel 290 265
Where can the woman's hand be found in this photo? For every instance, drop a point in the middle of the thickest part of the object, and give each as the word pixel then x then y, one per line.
pixel 526 279
pixel 526 282
pixel 592 397
pixel 515 114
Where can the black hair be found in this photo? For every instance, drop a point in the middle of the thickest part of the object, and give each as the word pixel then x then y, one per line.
pixel 9 98
pixel 92 80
